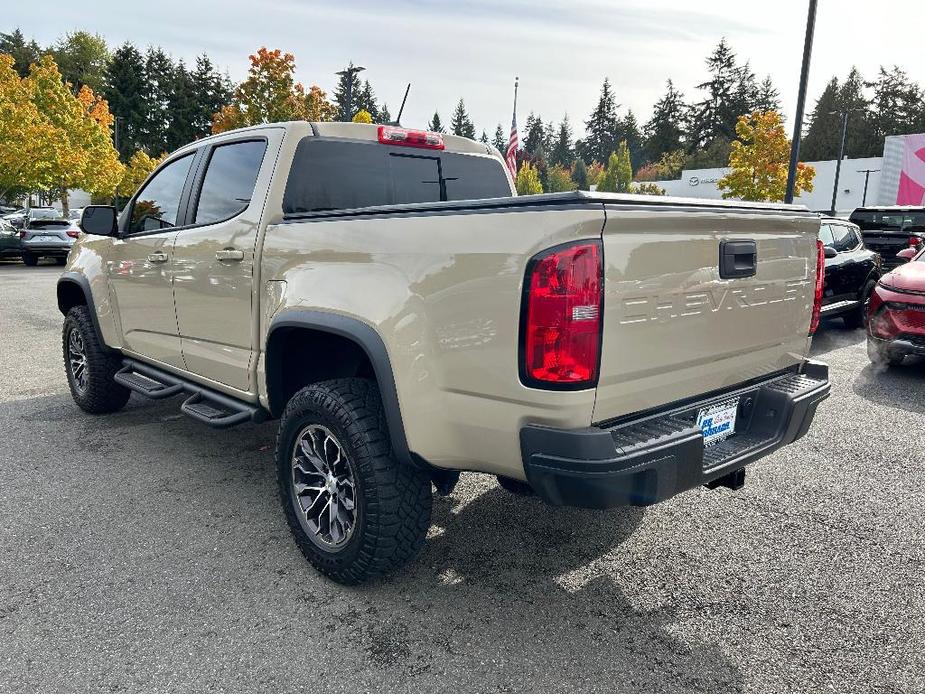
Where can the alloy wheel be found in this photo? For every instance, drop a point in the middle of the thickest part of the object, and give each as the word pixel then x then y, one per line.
pixel 77 359
pixel 323 488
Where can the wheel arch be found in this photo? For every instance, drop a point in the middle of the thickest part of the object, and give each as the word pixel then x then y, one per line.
pixel 73 289
pixel 349 346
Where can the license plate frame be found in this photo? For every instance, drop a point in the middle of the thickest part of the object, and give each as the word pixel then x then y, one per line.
pixel 717 422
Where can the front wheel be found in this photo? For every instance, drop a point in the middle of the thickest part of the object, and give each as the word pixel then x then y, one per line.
pixel 858 317
pixel 353 509
pixel 90 367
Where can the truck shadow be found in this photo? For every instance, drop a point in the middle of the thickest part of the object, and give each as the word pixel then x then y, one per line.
pixel 833 335
pixel 897 387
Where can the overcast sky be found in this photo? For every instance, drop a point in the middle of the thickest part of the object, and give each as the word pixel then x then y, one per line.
pixel 474 48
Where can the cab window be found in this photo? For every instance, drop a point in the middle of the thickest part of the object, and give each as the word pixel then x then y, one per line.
pixel 157 206
pixel 844 238
pixel 229 181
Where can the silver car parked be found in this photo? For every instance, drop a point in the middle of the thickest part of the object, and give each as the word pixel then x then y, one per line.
pixel 49 238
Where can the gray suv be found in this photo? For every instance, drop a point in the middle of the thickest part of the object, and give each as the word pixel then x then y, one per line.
pixel 44 236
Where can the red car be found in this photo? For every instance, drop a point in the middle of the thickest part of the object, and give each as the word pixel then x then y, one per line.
pixel 896 318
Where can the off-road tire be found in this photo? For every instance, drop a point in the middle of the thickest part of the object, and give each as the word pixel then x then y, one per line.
pixel 30 259
pixel 393 499
pixel 881 356
pixel 858 317
pixel 515 486
pixel 102 394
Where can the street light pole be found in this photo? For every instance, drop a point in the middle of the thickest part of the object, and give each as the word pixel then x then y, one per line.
pixel 841 155
pixel 348 73
pixel 867 173
pixel 801 102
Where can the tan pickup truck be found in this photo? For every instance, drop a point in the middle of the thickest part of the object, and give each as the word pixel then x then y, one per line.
pixel 385 294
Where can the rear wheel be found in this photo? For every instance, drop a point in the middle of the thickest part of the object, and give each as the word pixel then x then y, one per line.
pixel 858 317
pixel 880 354
pixel 90 368
pixel 353 509
pixel 30 259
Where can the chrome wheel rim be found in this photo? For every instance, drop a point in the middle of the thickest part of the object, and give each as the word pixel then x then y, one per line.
pixel 77 359
pixel 323 487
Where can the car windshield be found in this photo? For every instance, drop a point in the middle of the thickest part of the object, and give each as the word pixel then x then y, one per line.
pixel 890 220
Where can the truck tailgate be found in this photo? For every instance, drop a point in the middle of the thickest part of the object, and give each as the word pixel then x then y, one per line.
pixel 673 328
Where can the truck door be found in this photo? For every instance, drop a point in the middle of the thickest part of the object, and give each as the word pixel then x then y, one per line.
pixel 140 264
pixel 214 256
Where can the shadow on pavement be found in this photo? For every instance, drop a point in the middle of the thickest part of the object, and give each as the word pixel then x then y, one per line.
pixel 832 335
pixel 898 387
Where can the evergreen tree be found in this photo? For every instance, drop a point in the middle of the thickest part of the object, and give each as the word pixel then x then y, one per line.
pixel 821 139
pixel 499 141
pixel 159 73
pixel 436 125
pixel 211 91
pixel 580 174
pixel 384 113
pixel 603 127
pixel 731 92
pixel 562 151
pixel 182 109
pixel 896 105
pixel 823 136
pixel 535 135
pixel 461 124
pixel 366 101
pixel 633 138
pixel 768 98
pixel 347 82
pixel 126 91
pixel 24 52
pixel 484 138
pixel 665 129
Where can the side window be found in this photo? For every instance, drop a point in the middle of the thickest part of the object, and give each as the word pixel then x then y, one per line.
pixel 157 206
pixel 825 235
pixel 844 237
pixel 229 181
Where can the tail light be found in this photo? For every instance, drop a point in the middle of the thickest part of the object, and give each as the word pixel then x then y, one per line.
pixel 820 284
pixel 22 234
pixel 73 234
pixel 914 241
pixel 410 138
pixel 561 320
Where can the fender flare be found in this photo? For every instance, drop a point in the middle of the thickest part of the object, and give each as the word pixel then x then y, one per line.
pixel 83 284
pixel 367 339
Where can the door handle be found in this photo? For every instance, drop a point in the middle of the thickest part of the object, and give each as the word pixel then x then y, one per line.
pixel 157 257
pixel 229 254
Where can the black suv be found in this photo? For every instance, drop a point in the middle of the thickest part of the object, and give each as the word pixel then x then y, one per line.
pixel 888 230
pixel 851 272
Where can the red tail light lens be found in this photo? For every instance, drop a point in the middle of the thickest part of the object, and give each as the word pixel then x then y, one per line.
pixel 914 241
pixel 820 284
pixel 73 234
pixel 410 138
pixel 561 325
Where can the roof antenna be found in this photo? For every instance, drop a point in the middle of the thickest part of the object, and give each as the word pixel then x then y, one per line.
pixel 398 119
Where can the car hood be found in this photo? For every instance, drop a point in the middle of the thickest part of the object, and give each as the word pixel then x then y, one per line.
pixel 910 277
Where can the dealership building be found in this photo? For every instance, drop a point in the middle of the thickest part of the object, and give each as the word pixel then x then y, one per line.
pixel 896 178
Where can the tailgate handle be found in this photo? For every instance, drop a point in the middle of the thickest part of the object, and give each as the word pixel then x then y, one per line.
pixel 737 259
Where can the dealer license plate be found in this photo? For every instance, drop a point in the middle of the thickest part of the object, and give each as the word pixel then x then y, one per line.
pixel 44 238
pixel 718 422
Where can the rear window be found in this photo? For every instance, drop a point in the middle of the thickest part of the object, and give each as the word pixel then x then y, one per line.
pixel 344 175
pixel 890 220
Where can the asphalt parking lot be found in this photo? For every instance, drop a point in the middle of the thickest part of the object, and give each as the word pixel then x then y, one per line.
pixel 144 552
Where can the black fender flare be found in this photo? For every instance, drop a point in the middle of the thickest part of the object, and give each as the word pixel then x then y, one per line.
pixel 80 281
pixel 364 336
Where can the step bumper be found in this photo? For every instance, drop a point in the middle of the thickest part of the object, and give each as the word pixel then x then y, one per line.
pixel 646 460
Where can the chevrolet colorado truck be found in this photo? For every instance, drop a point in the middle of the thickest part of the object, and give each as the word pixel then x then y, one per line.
pixel 386 296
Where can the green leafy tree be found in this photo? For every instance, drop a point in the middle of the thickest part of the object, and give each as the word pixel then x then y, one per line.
pixel 715 154
pixel 528 180
pixel 648 189
pixel 618 176
pixel 500 141
pixel 436 125
pixel 665 130
pixel 347 83
pixel 602 127
pixel 83 59
pixel 580 174
pixel 126 91
pixel 562 150
pixel 23 52
pixel 559 179
pixel 461 124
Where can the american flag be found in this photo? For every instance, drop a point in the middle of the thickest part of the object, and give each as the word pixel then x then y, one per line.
pixel 512 145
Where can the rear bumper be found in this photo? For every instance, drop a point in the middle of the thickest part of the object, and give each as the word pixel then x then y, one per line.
pixel 646 460
pixel 47 249
pixel 904 345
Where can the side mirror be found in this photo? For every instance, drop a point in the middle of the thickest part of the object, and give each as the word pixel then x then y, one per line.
pixel 907 253
pixel 830 252
pixel 99 220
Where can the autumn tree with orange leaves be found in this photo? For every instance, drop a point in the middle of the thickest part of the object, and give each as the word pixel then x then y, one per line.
pixel 759 160
pixel 270 94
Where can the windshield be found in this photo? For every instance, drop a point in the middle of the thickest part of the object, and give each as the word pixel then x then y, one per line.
pixel 892 220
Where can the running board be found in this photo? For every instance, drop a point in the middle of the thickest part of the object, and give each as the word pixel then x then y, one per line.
pixel 203 404
pixel 839 307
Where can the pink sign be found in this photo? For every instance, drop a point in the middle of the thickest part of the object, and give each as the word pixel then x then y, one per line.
pixel 912 177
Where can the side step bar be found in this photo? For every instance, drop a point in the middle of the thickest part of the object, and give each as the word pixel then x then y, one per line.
pixel 204 404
